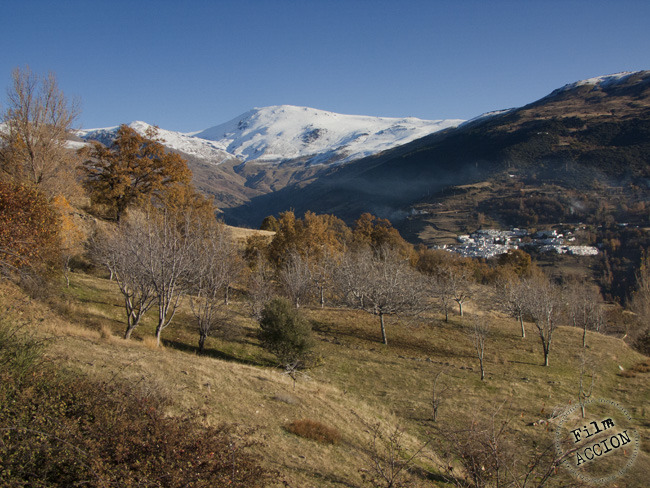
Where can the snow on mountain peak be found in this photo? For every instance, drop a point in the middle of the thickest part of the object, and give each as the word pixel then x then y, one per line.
pixel 286 132
pixel 201 148
pixel 282 132
pixel 603 81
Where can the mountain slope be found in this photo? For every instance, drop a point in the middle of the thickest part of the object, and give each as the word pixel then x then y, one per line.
pixel 285 132
pixel 266 149
pixel 591 132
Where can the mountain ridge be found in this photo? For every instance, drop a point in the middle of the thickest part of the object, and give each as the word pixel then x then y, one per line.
pixel 285 132
pixel 584 134
pixel 597 129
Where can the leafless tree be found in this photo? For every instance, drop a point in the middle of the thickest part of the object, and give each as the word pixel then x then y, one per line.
pixel 260 286
pixel 460 286
pixel 440 286
pixel 511 296
pixel 388 459
pixel 233 268
pixel 485 453
pixel 584 307
pixel 122 252
pixel 437 395
pixel 380 282
pixel 544 306
pixel 37 121
pixel 478 333
pixel 215 263
pixel 169 260
pixel 322 272
pixel 295 278
pixel 584 393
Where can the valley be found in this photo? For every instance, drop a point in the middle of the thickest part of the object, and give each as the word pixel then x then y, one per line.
pixel 146 343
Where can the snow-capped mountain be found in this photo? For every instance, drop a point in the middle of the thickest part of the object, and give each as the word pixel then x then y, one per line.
pixel 186 143
pixel 283 132
pixel 599 81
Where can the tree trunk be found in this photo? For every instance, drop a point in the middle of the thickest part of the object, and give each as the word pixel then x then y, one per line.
pixel 202 337
pixel 480 360
pixel 546 351
pixel 226 296
pixel 158 333
pixel 322 297
pixel 460 308
pixel 521 323
pixel 131 321
pixel 584 335
pixel 129 329
pixel 384 339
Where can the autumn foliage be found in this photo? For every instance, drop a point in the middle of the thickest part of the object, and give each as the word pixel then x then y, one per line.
pixel 28 227
pixel 132 170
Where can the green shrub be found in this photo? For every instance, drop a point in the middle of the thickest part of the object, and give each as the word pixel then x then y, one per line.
pixel 285 333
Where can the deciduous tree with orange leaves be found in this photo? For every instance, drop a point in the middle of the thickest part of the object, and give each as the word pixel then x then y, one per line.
pixel 132 170
pixel 28 228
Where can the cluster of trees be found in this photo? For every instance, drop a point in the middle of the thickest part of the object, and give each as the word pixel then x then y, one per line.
pixel 548 305
pixel 40 175
pixel 371 268
pixel 158 256
pixel 172 246
pixel 35 167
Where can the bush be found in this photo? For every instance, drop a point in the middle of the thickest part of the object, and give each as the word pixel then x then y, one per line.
pixel 311 429
pixel 642 342
pixel 28 228
pixel 58 429
pixel 285 333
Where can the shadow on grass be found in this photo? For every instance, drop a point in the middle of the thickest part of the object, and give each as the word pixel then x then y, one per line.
pixel 213 353
pixel 333 329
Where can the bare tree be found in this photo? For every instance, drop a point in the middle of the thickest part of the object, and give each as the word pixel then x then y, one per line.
pixel 295 278
pixel 381 283
pixel 388 459
pixel 544 305
pixel 322 273
pixel 232 266
pixel 460 286
pixel 440 285
pixel 37 121
pixel 215 263
pixel 584 393
pixel 478 333
pixel 260 286
pixel 491 453
pixel 122 252
pixel 437 395
pixel 170 254
pixel 511 297
pixel 583 307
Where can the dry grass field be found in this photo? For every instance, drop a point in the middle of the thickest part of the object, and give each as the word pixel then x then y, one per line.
pixel 358 387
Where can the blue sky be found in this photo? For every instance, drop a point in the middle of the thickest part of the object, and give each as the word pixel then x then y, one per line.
pixel 188 65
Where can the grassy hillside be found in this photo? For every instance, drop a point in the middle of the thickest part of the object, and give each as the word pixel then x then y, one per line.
pixel 359 382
